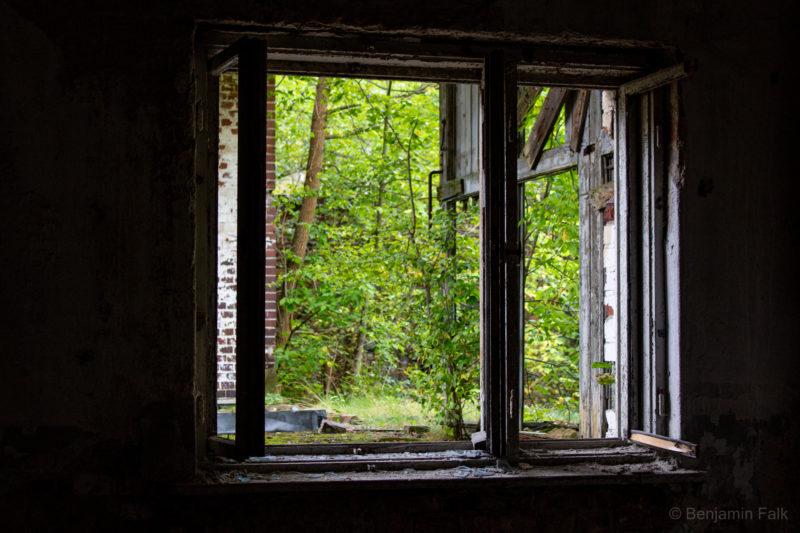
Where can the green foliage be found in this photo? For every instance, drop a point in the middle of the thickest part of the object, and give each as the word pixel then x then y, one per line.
pixel 552 289
pixel 388 284
pixel 371 254
pixel 605 378
pixel 447 372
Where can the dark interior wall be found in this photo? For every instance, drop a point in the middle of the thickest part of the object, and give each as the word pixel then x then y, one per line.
pixel 97 250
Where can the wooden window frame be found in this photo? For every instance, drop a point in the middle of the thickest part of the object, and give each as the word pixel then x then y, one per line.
pixel 500 67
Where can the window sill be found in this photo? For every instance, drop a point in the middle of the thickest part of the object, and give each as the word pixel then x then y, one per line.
pixel 619 463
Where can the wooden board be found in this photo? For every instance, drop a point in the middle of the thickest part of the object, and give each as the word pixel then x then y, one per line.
pixel 578 121
pixel 656 441
pixel 544 125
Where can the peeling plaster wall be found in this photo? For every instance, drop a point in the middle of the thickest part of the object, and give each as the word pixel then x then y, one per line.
pixel 97 200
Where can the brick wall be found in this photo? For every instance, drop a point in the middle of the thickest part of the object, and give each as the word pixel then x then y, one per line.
pixel 226 234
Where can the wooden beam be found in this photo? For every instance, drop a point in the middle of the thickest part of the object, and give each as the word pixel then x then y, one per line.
pixel 526 101
pixel 450 189
pixel 658 79
pixel 544 125
pixel 250 267
pixel 383 71
pixel 500 305
pixel 579 112
pixel 225 60
pixel 554 160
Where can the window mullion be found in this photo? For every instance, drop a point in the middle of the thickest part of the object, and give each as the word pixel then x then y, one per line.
pixel 501 314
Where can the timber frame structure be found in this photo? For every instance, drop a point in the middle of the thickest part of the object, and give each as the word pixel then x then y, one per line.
pixel 588 148
pixel 500 67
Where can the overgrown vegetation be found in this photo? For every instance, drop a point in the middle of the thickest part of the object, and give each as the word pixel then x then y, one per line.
pixel 382 299
pixel 551 277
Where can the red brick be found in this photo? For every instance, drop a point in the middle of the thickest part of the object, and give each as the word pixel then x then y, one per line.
pixel 608 212
pixel 226 122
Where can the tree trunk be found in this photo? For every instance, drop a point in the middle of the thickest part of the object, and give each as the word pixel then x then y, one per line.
pixel 316 148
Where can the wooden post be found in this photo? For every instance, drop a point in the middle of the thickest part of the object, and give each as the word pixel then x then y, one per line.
pixel 500 244
pixel 250 265
pixel 592 277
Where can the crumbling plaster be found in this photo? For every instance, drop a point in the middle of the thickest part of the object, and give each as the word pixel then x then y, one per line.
pixel 97 200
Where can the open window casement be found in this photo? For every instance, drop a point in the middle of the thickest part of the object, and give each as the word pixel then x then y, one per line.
pixel 648 184
pixel 249 56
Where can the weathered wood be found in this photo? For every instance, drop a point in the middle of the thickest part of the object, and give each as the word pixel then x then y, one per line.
pixel 604 57
pixel 206 252
pixel 657 325
pixel 357 464
pixel 526 101
pixel 449 190
pixel 389 70
pixel 221 447
pixel 447 128
pixel 644 263
pixel 553 161
pixel 366 447
pixel 657 79
pixel 329 426
pixel 627 306
pixel 591 316
pixel 571 444
pixel 672 261
pixel 544 125
pixel 611 457
pixel 225 60
pixel 658 441
pixel 251 252
pixel 579 111
pixel 466 137
pixel 500 245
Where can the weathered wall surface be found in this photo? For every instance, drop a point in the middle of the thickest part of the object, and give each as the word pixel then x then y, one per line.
pixel 96 199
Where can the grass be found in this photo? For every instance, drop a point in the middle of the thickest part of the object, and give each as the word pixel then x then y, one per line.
pixel 378 411
pixel 384 411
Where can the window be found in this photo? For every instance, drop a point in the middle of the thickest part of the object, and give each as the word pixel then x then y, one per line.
pixel 645 203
